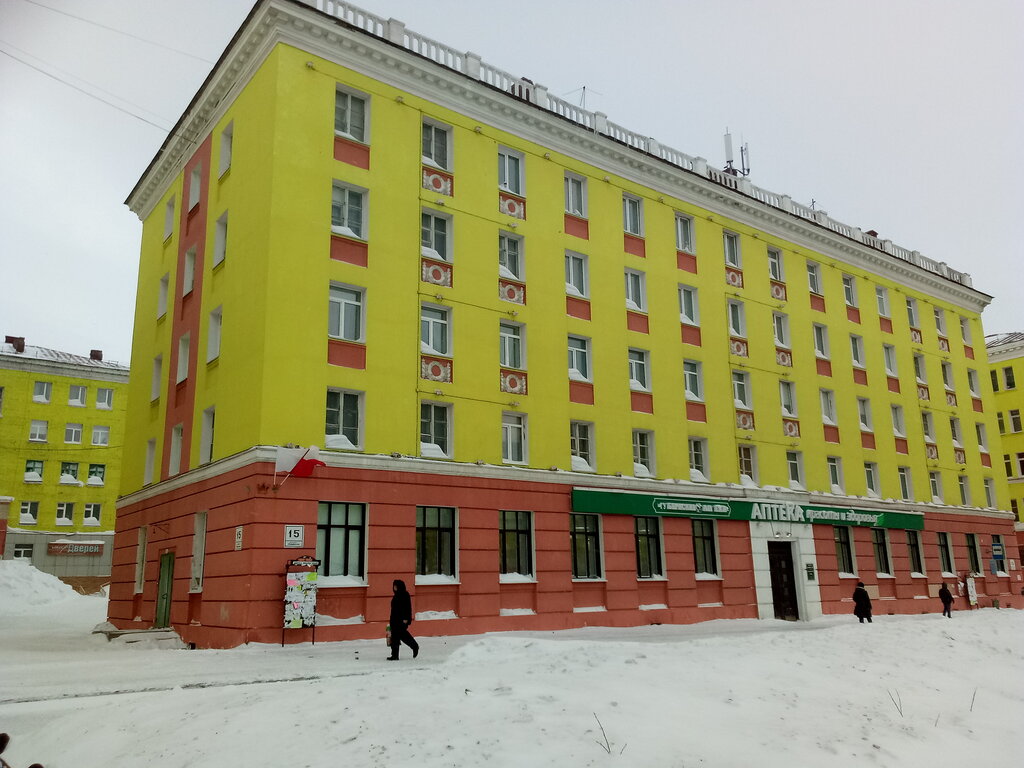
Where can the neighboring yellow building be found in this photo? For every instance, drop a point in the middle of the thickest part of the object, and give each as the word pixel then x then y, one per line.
pixel 61 436
pixel 1006 372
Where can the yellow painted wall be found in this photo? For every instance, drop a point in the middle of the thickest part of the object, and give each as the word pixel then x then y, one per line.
pixel 1005 401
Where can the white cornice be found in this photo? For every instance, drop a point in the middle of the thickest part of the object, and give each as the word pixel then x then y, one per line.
pixel 1003 352
pixel 58 368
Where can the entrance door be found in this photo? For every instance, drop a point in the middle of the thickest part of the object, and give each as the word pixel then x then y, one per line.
pixel 780 563
pixel 163 590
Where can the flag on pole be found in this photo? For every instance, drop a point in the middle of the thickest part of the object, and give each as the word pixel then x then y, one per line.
pixel 299 462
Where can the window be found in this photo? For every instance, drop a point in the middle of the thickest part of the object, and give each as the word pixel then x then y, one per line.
pixel 575 274
pixel 581 446
pixel 434 331
pixel 871 478
pixel 828 406
pixel 698 450
pixel 780 324
pixel 1008 465
pixel 29 513
pixel 515 537
pixel 513 438
pixel 705 551
pixel 844 552
pixel 510 256
pixel 69 472
pixel 741 394
pixel 982 435
pixel 935 485
pixel 850 290
pixel 914 549
pixel 906 485
pixel 787 397
pixel 920 371
pixel 990 492
pixel 510 345
pixel 821 348
pixel 835 474
pixel 91 514
pixel 864 414
pixel 994 374
pixel 972 382
pixel 684 233
pixel 206 432
pixel 940 321
pixel 73 433
pixel 33 471
pixel 912 312
pixel 435 430
pixel 97 474
pixel 575 195
pixel 104 398
pixel 965 330
pixel 22 552
pixel 1015 424
pixel 973 556
pixel 341 539
pixel 158 366
pixel 737 318
pixel 775 268
pixel 731 245
pixel 148 473
pixel 342 422
pixel 345 313
pixel 435 541
pixel 220 239
pixel 688 310
pixel 435 236
pixel 648 547
pixel 997 546
pixel 195 583
pixel 632 215
pixel 183 344
pixel 195 186
pixel 101 436
pixel 814 278
pixel 169 218
pixel 947 374
pixel 37 431
pixel 857 350
pixel 1 401
pixel 586 546
pixel 579 358
pixel 635 291
pixel 140 558
pixel 77 395
pixel 639 364
pixel 436 145
pixel 795 468
pixel 954 431
pixel 510 171
pixel 188 279
pixel 161 302
pixel 348 214
pixel 227 138
pixel 882 296
pixel 928 426
pixel 174 460
pixel 747 455
pixel 350 116
pixel 946 553
pixel 1008 378
pixel 41 392
pixel 693 380
pixel 889 356
pixel 880 543
pixel 65 512
pixel 643 453
pixel 898 427
pixel 213 334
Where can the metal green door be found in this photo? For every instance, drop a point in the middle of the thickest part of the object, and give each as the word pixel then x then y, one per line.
pixel 163 590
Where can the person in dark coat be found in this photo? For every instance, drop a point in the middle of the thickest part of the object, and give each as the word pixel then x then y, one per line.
pixel 861 603
pixel 947 601
pixel 401 618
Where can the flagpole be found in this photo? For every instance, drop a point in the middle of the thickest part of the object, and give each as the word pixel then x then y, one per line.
pixel 276 486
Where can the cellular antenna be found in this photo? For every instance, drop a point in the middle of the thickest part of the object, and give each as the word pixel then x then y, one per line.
pixel 730 167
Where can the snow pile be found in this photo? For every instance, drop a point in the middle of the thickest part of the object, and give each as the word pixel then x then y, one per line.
pixel 24 588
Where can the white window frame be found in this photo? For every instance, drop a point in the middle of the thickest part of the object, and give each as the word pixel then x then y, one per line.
pixel 981 432
pixel 889 359
pixel 787 399
pixel 575 186
pixel 882 300
pixel 65 513
pixel 432 341
pixel 747 454
pixel 227 140
pixel 82 392
pixel 511 171
pixel 150 466
pixel 140 559
pixel 340 298
pixel 636 290
pixel 821 345
pixel 73 433
pixel 780 328
pixel 776 265
pixel 162 295
pixel 965 330
pixel 198 564
pixel 871 479
pixel 828 407
pixel 697 448
pixel 91 513
pixel 857 350
pixel 338 439
pixel 29 513
pixel 188 278
pixel 104 398
pixel 195 186
pixel 42 392
pixel 913 317
pixel 576 272
pixel 990 492
pixel 169 218
pixel 207 434
pixel 972 382
pixel 213 333
pixel 101 435
pixel 348 131
pixel 736 314
pixel 906 483
pixel 920 369
pixel 156 385
pixel 582 446
pixel 835 474
pixel 344 221
pixel 742 393
pixel 429 245
pixel 690 318
pixel 864 415
pixel 731 250
pixel 632 215
pixel 850 291
pixel 513 434
pixel 795 470
pixel 947 374
pixel 579 352
pixel 928 426
pixel 511 254
pixel 639 369
pixel 38 430
pixel 174 460
pixel 643 443
pixel 693 380
pixel 511 345
pixel 428 153
pixel 220 239
pixel 814 278
pixel 899 427
pixel 935 485
pixel 183 353
pixel 940 320
pixel 685 240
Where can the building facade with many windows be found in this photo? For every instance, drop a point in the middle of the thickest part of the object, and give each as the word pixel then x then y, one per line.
pixel 61 433
pixel 563 374
pixel 1006 369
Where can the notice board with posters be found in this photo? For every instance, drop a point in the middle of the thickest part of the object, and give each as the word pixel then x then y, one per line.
pixel 300 598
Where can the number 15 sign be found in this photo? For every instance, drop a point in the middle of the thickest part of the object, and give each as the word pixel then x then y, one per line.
pixel 294 536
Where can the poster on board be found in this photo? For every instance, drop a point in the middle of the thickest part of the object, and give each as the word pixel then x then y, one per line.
pixel 972 591
pixel 300 599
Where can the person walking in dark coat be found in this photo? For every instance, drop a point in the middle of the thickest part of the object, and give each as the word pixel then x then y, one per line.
pixel 947 601
pixel 861 603
pixel 401 618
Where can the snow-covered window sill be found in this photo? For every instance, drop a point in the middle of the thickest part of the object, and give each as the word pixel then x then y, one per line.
pixel 707 577
pixel 516 612
pixel 516 578
pixel 659 577
pixel 916 575
pixel 590 609
pixel 654 607
pixel 330 582
pixel 589 581
pixel 885 575
pixel 848 576
pixel 436 615
pixel 435 578
pixel 709 605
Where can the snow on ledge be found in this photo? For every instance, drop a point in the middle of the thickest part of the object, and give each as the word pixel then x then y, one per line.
pixel 328 621
pixel 654 607
pixel 340 581
pixel 517 612
pixel 435 615
pixel 436 578
pixel 590 609
pixel 516 578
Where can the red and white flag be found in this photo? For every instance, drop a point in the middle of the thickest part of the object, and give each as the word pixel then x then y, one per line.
pixel 299 462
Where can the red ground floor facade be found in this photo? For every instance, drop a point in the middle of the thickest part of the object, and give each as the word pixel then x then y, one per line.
pixel 494 548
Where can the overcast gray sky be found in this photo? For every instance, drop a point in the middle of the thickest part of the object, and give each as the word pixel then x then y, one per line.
pixel 902 116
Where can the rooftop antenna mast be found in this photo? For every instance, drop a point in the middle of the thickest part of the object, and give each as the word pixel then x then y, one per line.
pixel 582 90
pixel 730 168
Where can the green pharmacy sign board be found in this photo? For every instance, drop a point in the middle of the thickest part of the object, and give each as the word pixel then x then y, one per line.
pixel 618 503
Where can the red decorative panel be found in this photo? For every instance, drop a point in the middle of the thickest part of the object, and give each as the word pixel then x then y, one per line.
pixel 691 334
pixel 351 152
pixel 968 352
pixel 951 398
pixel 915 336
pixel 817 302
pixel 943 344
pixel 860 376
pixel 791 428
pixel 931 451
pixel 867 440
pixel 581 392
pixel 686 261
pixel 633 244
pixel 744 420
pixel 778 291
pixel 696 412
pixel 511 205
pixel 922 392
pixel 976 404
pixel 885 324
pixel 852 314
pixel 734 277
pixel 436 272
pixel 511 291
pixel 783 357
pixel 641 402
pixel 738 347
pixel 346 353
pixel 513 381
pixel 577 307
pixel 824 367
pixel 894 384
pixel 438 181
pixel 577 227
pixel 986 460
pixel 436 369
pixel 901 445
pixel 351 251
pixel 831 434
pixel 637 321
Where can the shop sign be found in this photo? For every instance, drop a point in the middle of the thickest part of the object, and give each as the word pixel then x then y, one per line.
pixel 617 502
pixel 73 548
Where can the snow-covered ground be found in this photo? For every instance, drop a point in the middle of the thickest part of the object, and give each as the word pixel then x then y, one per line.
pixel 905 691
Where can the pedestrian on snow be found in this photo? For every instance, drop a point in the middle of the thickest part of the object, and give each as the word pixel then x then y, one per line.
pixel 947 601
pixel 401 618
pixel 861 603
